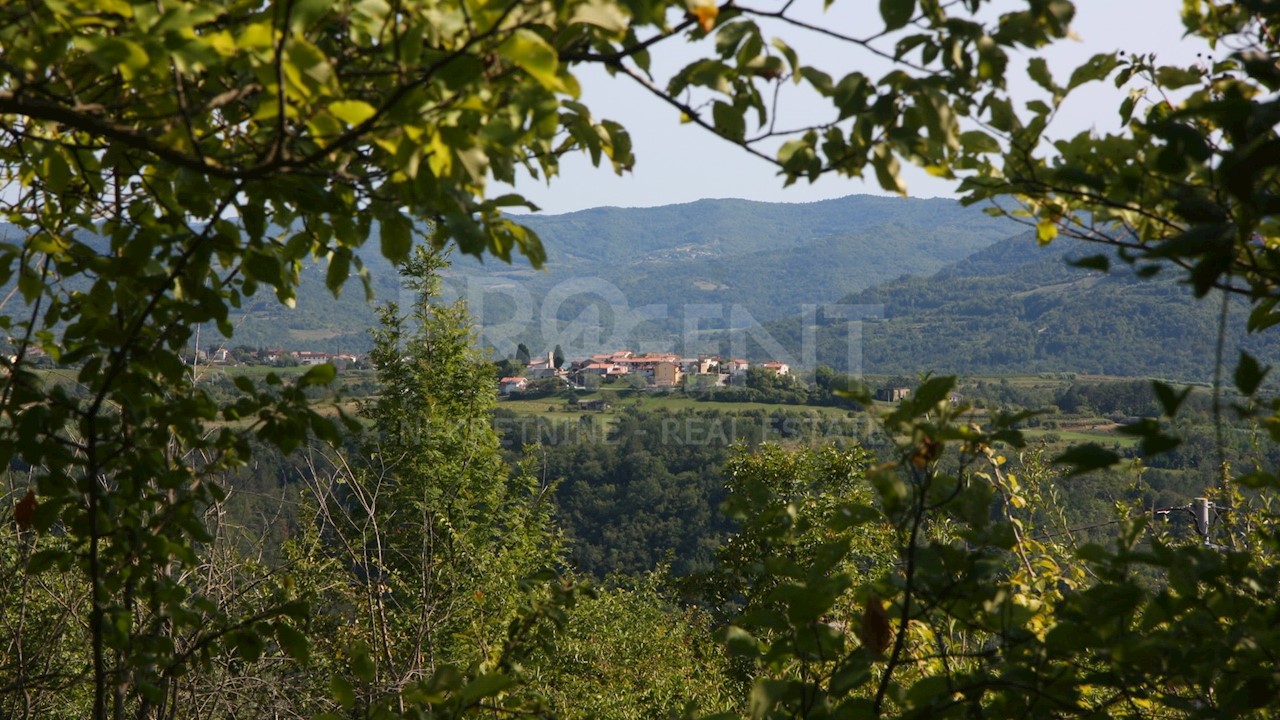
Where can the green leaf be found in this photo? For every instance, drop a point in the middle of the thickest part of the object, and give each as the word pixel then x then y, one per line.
pixel 1002 116
pixel 1175 77
pixel 793 60
pixel 1263 316
pixel 254 217
pixel 729 121
pixel 1250 374
pixel 306 12
pixel 1087 458
pixel 535 56
pixel 888 170
pixel 322 374
pixel 56 171
pixel 294 643
pixel 486 685
pixel 1038 69
pixel 1096 68
pixel 1170 400
pixel 819 80
pixel 352 112
pixel 929 690
pixel 977 141
pixel 603 14
pixel 1046 231
pixel 362 665
pixel 932 391
pixel 767 694
pixel 853 514
pixel 740 643
pixel 1197 240
pixel 115 53
pixel 342 692
pixel 248 644
pixel 1126 109
pixel 896 13
pixel 850 95
pixel 1154 439
pixel 42 560
pixel 729 36
pixel 339 269
pixel 262 266
pixel 396 237
pixel 1092 262
pixel 853 673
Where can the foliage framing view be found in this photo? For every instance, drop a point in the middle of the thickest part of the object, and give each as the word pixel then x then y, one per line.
pixel 166 160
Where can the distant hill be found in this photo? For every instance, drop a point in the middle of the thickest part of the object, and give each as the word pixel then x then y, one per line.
pixel 954 296
pixel 734 258
pixel 624 277
pixel 318 321
pixel 1017 307
pixel 627 275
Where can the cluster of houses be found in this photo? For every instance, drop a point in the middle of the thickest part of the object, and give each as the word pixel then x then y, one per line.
pixel 655 370
pixel 275 356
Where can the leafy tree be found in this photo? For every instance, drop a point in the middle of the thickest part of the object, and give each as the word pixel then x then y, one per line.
pixel 506 367
pixel 987 613
pixel 632 653
pixel 791 507
pixel 43 642
pixel 437 530
pixel 310 122
pixel 1191 181
pixel 132 135
pixel 557 357
pixel 522 354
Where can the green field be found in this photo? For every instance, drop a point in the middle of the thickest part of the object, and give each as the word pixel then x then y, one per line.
pixel 556 405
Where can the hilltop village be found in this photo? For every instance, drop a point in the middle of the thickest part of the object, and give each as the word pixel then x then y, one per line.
pixel 275 357
pixel 649 370
pixel 542 375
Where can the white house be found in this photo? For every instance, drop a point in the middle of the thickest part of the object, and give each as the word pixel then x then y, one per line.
pixel 508 385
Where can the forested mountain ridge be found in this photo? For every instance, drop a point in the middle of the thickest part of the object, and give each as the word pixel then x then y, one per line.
pixel 1017 307
pixel 1005 307
pixel 766 258
pixel 738 251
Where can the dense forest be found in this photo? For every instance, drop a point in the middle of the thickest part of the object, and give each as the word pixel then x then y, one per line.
pixel 1015 307
pixel 391 540
pixel 643 489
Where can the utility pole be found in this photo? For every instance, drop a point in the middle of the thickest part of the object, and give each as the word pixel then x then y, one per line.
pixel 1200 509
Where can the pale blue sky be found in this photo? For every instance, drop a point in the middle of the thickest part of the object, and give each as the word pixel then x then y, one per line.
pixel 681 163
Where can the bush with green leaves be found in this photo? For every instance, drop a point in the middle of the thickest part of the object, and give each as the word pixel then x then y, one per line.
pixel 163 162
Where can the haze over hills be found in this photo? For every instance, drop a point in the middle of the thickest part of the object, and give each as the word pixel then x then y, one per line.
pixel 619 277
pixel 952 291
pixel 1016 307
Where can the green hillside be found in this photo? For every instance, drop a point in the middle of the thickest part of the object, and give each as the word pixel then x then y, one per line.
pixel 1016 307
pixel 768 257
pixel 960 303
pixel 732 257
pixel 764 259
